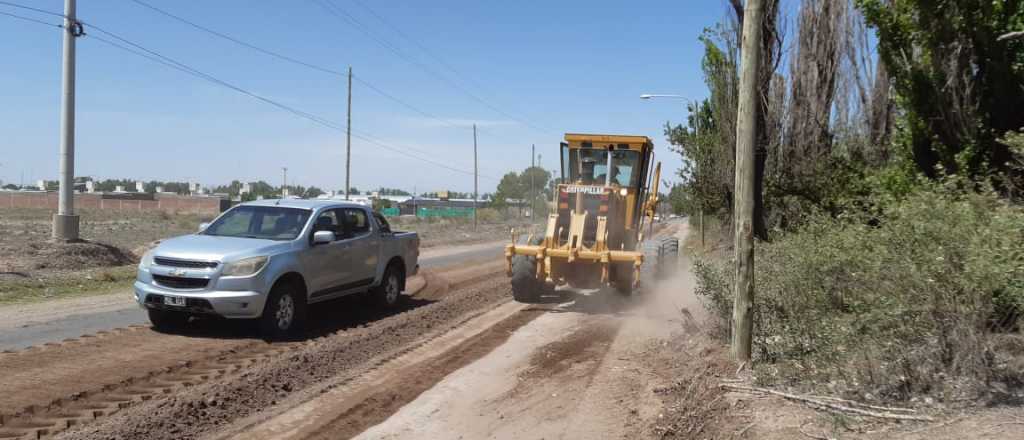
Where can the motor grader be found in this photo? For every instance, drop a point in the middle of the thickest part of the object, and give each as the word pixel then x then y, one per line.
pixel 608 191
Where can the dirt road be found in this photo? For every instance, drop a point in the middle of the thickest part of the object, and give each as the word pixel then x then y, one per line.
pixel 573 369
pixel 458 357
pixel 22 326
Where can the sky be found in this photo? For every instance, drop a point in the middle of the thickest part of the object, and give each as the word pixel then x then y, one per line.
pixel 524 72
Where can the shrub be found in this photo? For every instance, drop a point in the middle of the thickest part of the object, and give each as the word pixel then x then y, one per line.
pixel 901 302
pixel 488 215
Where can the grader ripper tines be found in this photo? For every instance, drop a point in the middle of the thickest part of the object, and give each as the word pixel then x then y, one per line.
pixel 609 187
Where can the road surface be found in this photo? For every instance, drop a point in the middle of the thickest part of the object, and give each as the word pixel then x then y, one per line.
pixel 41 323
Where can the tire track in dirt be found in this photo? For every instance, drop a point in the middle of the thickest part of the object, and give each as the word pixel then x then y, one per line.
pixel 50 388
pixel 302 369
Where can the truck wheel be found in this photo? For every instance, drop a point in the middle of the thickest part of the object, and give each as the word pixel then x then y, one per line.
pixel 624 280
pixel 526 288
pixel 165 321
pixel 285 312
pixel 389 291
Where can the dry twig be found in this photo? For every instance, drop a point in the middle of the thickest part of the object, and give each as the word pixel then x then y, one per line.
pixel 863 405
pixel 828 405
pixel 815 437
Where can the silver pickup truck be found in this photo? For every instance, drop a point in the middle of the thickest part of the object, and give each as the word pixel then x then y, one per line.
pixel 271 259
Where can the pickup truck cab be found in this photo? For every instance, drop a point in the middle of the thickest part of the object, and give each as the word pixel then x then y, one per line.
pixel 270 259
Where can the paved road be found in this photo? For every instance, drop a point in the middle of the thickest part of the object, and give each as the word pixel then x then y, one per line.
pixel 76 324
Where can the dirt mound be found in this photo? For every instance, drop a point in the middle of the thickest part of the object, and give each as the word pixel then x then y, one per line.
pixel 65 256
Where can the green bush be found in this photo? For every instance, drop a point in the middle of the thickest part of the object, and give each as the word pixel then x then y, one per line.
pixel 900 302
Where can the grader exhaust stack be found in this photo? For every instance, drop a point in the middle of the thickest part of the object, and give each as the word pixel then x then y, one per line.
pixel 609 185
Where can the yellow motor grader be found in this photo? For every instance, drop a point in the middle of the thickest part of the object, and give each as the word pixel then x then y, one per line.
pixel 608 190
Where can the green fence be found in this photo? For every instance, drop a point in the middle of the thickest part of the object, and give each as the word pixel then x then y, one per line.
pixel 432 212
pixel 445 212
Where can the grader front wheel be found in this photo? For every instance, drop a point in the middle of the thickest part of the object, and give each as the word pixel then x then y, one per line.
pixel 526 288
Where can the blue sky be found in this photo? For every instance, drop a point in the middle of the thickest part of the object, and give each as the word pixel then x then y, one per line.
pixel 565 66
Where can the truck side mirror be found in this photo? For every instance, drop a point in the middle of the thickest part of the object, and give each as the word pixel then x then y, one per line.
pixel 203 226
pixel 322 237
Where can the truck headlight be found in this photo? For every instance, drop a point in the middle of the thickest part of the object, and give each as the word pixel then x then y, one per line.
pixel 147 260
pixel 246 267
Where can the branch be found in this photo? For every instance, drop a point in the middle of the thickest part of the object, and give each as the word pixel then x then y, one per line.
pixel 1016 35
pixel 738 7
pixel 829 406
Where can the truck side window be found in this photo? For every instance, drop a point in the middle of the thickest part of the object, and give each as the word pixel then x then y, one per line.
pixel 385 228
pixel 356 222
pixel 329 221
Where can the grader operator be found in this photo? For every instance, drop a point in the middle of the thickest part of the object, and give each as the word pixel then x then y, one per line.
pixel 609 187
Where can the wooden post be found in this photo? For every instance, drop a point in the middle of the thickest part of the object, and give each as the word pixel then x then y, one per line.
pixel 702 246
pixel 746 137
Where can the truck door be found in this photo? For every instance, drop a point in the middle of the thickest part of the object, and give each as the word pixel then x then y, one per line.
pixel 363 246
pixel 329 263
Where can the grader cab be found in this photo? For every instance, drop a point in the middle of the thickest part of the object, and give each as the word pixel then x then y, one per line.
pixel 608 192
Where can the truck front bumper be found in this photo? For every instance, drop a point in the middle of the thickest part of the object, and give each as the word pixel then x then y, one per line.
pixel 228 304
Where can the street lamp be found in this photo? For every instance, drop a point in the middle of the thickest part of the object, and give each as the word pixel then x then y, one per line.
pixel 649 96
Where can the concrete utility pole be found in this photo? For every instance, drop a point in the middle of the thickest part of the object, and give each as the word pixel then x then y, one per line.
pixel 746 137
pixel 348 135
pixel 474 177
pixel 284 181
pixel 533 195
pixel 65 222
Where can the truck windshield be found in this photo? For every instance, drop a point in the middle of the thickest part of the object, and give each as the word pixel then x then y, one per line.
pixel 264 222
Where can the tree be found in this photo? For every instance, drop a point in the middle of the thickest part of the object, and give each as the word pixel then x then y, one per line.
pixel 509 188
pixel 961 85
pixel 312 193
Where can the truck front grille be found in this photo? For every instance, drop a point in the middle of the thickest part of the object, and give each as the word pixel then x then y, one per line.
pixel 180 283
pixel 171 262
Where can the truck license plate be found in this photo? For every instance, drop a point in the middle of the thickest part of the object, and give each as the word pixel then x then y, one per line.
pixel 176 301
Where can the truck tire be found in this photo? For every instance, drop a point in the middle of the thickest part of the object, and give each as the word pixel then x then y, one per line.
pixel 623 280
pixel 389 292
pixel 526 288
pixel 284 315
pixel 167 321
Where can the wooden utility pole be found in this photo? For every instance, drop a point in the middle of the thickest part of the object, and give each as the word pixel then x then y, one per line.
pixel 474 177
pixel 746 137
pixel 348 135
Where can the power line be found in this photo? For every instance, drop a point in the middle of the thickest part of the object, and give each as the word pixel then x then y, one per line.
pixel 341 14
pixel 416 43
pixel 20 17
pixel 141 51
pixel 151 55
pixel 30 8
pixel 293 60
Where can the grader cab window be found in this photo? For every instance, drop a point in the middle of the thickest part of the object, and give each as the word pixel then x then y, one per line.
pixel 589 166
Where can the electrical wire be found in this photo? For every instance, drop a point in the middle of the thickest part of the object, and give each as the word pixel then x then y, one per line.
pixel 296 61
pixel 424 49
pixel 341 14
pixel 30 8
pixel 141 51
pixel 30 19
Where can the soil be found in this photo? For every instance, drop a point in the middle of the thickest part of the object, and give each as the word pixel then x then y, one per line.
pixel 33 267
pixel 344 351
pixel 457 360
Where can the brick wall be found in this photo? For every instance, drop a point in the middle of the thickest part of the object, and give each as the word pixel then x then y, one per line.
pixel 166 202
